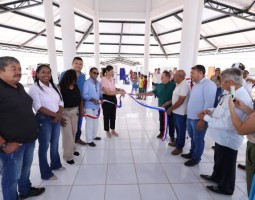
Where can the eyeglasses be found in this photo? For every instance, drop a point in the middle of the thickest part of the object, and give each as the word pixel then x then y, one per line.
pixel 96 73
pixel 43 64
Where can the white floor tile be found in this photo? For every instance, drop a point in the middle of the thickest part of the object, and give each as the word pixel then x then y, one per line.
pixel 120 144
pixel 157 192
pixel 91 175
pixel 123 192
pixel 121 174
pixel 143 143
pixel 150 173
pixel 120 156
pixel 91 192
pixel 192 191
pixel 95 156
pixel 145 156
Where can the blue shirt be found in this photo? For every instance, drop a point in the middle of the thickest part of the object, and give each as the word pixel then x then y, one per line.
pixel 80 80
pixel 202 97
pixel 91 90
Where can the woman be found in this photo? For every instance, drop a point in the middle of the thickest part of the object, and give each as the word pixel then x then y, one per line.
pixel 72 105
pixel 246 127
pixel 217 80
pixel 48 104
pixel 134 82
pixel 109 92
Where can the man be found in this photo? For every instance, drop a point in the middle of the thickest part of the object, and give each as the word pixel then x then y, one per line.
pixel 179 109
pixel 202 96
pixel 77 66
pixel 92 96
pixel 164 92
pixel 222 131
pixel 18 132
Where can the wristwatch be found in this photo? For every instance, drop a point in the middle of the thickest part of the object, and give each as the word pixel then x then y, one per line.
pixel 2 146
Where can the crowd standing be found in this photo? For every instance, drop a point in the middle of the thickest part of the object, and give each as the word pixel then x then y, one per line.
pixel 221 107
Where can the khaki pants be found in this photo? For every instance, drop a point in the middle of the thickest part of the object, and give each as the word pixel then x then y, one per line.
pixel 250 164
pixel 68 132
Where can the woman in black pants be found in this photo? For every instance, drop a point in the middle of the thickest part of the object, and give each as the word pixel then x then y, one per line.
pixel 109 92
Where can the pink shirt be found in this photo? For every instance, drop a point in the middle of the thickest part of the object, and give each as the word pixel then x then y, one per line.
pixel 105 83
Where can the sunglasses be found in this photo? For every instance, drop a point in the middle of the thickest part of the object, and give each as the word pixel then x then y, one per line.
pixel 96 73
pixel 43 64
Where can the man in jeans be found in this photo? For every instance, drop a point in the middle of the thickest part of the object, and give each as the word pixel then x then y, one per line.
pixel 179 110
pixel 18 132
pixel 202 97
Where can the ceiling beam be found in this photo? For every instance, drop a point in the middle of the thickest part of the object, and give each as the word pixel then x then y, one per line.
pixel 84 37
pixel 158 40
pixel 121 32
pixel 18 5
pixel 247 9
pixel 170 15
pixel 230 10
pixel 37 35
pixel 121 21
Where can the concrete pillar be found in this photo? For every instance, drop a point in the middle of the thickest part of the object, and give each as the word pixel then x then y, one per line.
pixel 191 25
pixel 68 33
pixel 51 46
pixel 96 35
pixel 146 62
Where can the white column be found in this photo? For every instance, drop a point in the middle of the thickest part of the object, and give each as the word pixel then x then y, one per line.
pixel 68 33
pixel 191 25
pixel 146 62
pixel 50 32
pixel 96 36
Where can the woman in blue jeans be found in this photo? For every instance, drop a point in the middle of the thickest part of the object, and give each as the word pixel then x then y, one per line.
pixel 48 104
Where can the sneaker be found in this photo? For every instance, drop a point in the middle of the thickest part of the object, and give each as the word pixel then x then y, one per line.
pixel 108 134
pixel 176 152
pixel 81 142
pixel 191 163
pixel 115 134
pixel 60 169
pixel 172 144
pixel 33 192
pixel 70 162
pixel 76 153
pixel 92 144
pixel 187 155
pixel 97 138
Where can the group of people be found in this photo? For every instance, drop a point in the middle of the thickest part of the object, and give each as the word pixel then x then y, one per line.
pixel 207 108
pixel 48 108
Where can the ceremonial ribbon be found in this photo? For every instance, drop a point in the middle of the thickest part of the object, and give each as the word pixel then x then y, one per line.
pixel 155 108
pixel 91 116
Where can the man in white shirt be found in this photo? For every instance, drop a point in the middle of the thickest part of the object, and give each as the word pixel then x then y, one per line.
pixel 179 110
pixel 222 131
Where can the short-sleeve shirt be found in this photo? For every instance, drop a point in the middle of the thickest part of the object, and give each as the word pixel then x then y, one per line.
pixel 105 83
pixel 164 92
pixel 182 89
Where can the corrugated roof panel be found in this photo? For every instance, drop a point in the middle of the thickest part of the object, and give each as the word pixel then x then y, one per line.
pixel 170 37
pixel 109 49
pixel 155 50
pixel 13 37
pixel 134 28
pixel 132 49
pixel 109 27
pixel 172 48
pixel 133 39
pixel 166 24
pixel 109 38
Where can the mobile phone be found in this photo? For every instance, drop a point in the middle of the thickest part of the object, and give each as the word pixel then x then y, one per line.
pixel 233 92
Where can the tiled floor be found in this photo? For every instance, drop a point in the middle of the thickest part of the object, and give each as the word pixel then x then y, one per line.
pixel 134 166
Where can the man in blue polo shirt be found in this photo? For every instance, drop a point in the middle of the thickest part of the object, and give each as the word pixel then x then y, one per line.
pixel 77 66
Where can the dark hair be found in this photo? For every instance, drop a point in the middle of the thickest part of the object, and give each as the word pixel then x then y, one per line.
pixel 93 68
pixel 108 68
pixel 77 58
pixel 199 68
pixel 70 77
pixel 217 69
pixel 145 76
pixel 166 73
pixel 39 67
pixel 6 60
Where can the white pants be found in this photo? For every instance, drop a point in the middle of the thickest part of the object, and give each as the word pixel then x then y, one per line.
pixel 91 126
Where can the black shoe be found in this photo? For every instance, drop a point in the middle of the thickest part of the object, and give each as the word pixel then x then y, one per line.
pixel 240 166
pixel 33 192
pixel 70 162
pixel 92 144
pixel 187 155
pixel 97 138
pixel 213 147
pixel 216 189
pixel 208 178
pixel 191 162
pixel 160 135
pixel 76 153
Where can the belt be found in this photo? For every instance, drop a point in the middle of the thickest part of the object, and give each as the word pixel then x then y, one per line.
pixel 71 108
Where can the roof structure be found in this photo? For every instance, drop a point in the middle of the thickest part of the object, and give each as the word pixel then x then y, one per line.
pixel 227 26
